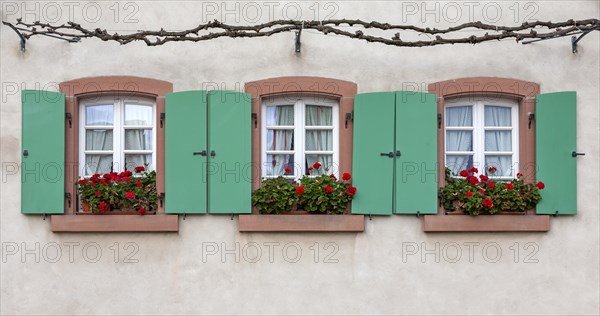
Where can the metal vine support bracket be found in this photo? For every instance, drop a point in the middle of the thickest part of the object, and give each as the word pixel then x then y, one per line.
pixel 529 31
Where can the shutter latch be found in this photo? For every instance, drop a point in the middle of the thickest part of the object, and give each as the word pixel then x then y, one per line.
pixel 161 198
pixel 349 117
pixel 255 119
pixel 162 118
pixel 575 154
pixel 69 118
pixel 68 198
pixel 530 118
pixel 439 118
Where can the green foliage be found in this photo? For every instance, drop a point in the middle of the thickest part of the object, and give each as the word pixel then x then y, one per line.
pixel 479 195
pixel 275 196
pixel 125 191
pixel 318 198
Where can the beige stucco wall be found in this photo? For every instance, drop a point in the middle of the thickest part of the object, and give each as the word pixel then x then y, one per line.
pixel 368 273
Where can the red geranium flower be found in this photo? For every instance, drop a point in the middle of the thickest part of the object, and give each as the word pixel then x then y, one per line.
pixel 492 170
pixel 103 182
pixel 142 211
pixel 509 186
pixel 288 170
pixel 98 193
pixel 138 184
pixel 519 175
pixel 294 182
pixel 463 173
pixel 299 190
pixel 469 193
pixel 327 189
pixel 107 176
pixel 310 169
pixel 492 185
pixel 333 176
pixel 473 180
pixel 93 184
pixel 346 176
pixel 483 177
pixel 95 176
pixel 103 207
pixel 317 165
pixel 83 181
pixel 350 191
pixel 130 195
pixel 473 170
pixel 487 202
pixel 481 191
pixel 540 185
pixel 139 169
pixel 125 179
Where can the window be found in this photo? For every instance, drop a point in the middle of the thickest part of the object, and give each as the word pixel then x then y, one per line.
pixel 331 142
pixel 297 133
pixel 119 134
pixel 482 132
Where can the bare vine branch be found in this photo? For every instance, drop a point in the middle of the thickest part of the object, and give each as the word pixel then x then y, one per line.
pixel 529 30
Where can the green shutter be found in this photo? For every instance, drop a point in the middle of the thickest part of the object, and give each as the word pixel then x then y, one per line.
pixel 230 139
pixel 416 140
pixel 373 135
pixel 185 139
pixel 43 152
pixel 556 140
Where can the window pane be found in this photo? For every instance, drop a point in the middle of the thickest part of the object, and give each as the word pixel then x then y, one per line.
pixel 498 140
pixel 503 165
pixel 319 140
pixel 99 139
pixel 138 139
pixel 136 114
pixel 280 115
pixel 459 116
pixel 459 140
pixel 497 115
pixel 97 164
pixel 318 115
pixel 326 162
pixel 134 160
pixel 458 163
pixel 99 115
pixel 276 164
pixel 280 139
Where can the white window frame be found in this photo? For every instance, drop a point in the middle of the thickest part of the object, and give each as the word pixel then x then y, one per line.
pixel 478 104
pixel 300 102
pixel 118 129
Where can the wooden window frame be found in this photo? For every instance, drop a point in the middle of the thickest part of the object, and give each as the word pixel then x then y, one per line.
pixel 524 93
pixel 344 92
pixel 125 86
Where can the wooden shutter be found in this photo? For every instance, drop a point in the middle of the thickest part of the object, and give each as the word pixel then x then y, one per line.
pixel 372 169
pixel 185 152
pixel 230 152
pixel 556 140
pixel 43 152
pixel 416 183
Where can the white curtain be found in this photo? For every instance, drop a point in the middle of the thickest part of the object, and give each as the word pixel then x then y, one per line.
pixel 497 116
pixel 98 139
pixel 279 139
pixel 457 140
pixel 139 138
pixel 319 139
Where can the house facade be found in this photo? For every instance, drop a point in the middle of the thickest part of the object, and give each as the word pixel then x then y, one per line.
pixel 215 118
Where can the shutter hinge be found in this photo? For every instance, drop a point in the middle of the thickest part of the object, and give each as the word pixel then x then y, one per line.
pixel 530 118
pixel 161 198
pixel 162 118
pixel 69 118
pixel 255 119
pixel 439 118
pixel 68 198
pixel 349 117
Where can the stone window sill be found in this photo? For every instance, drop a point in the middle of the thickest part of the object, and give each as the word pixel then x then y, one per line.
pixel 114 223
pixel 486 223
pixel 302 223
